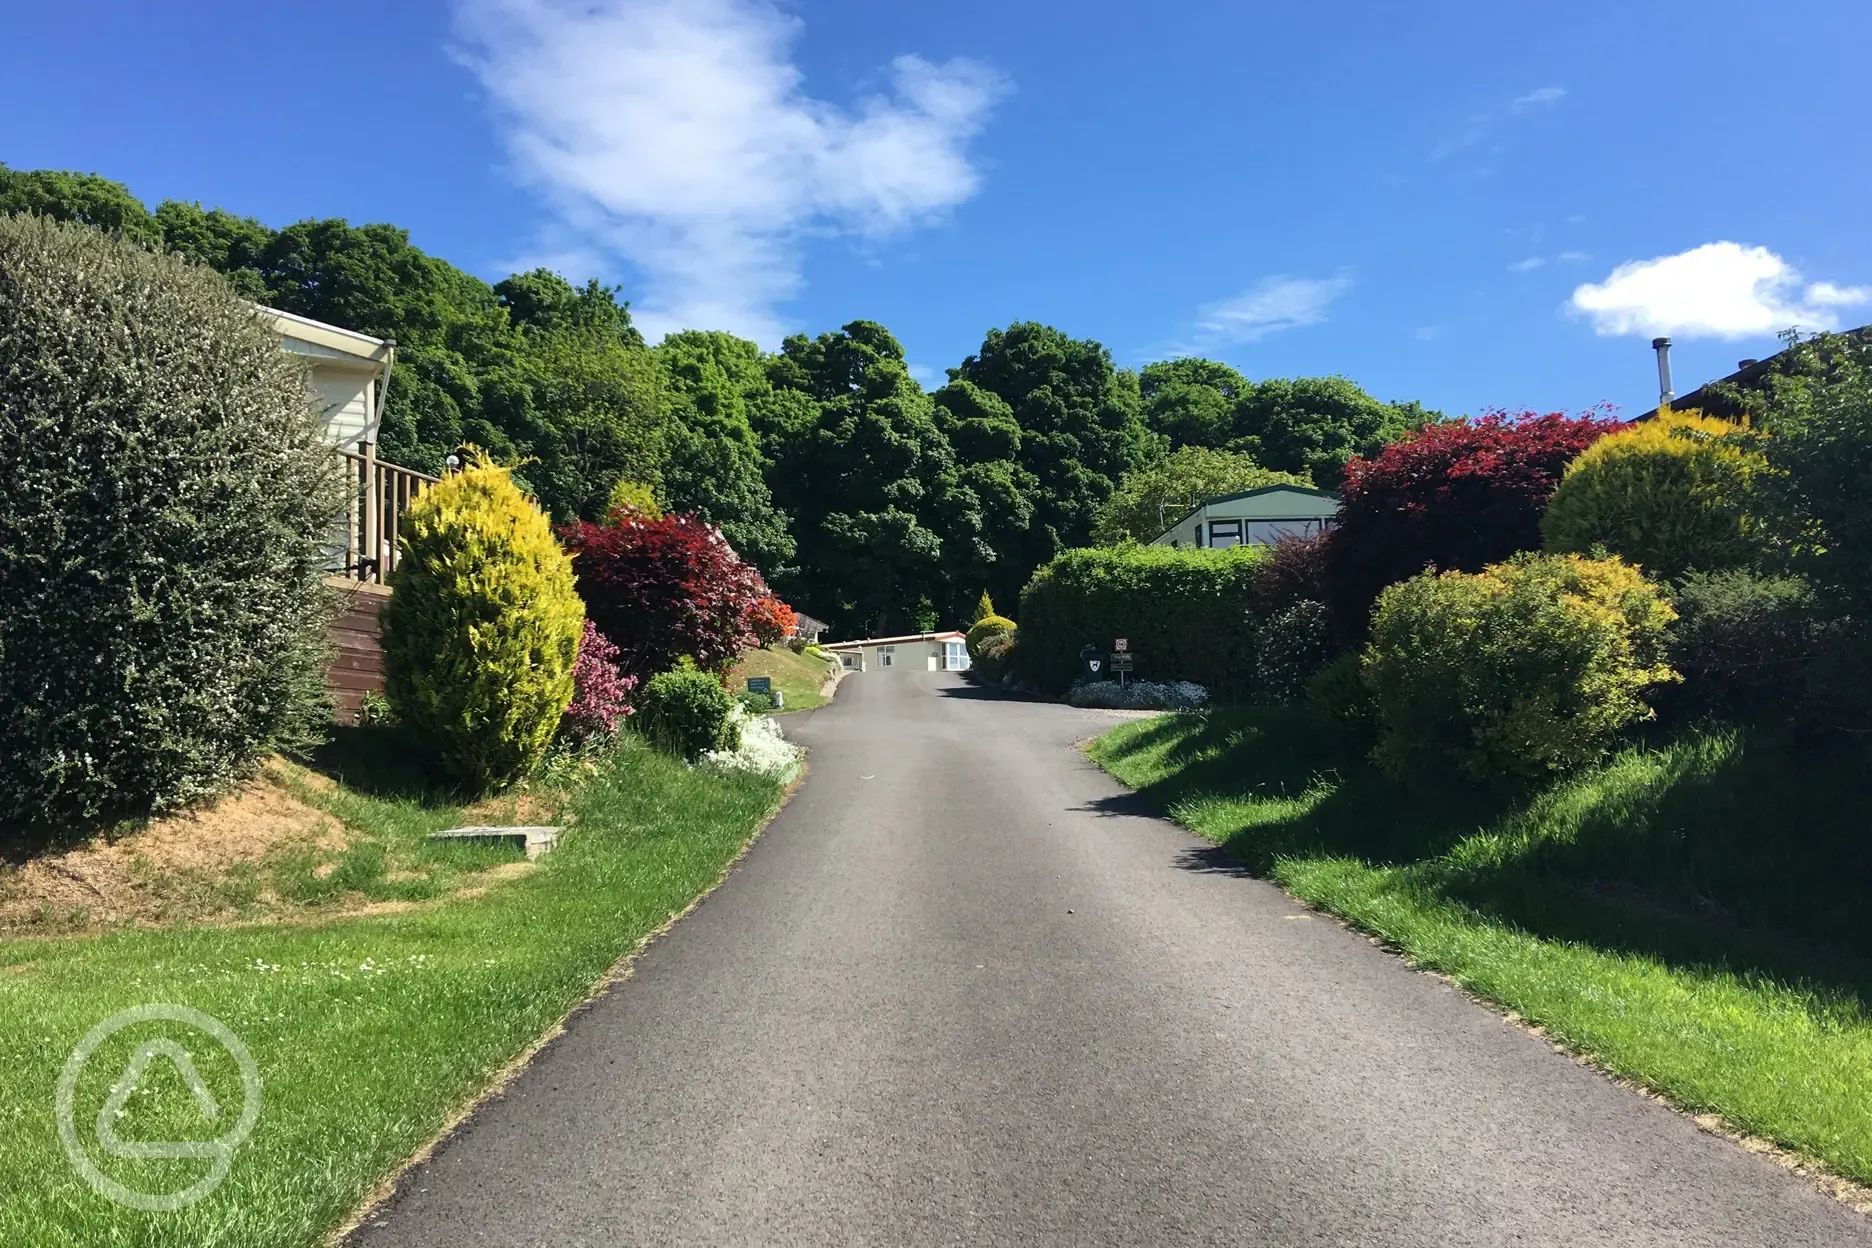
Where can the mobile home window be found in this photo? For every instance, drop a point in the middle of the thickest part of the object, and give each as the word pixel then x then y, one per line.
pixel 955 656
pixel 1225 533
pixel 887 655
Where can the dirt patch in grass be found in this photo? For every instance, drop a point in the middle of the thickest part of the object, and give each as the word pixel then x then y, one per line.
pixel 202 860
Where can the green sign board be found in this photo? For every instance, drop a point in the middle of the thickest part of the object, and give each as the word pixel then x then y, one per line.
pixel 1121 662
pixel 760 684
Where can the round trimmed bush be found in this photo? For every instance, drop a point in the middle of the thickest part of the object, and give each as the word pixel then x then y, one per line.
pixel 168 497
pixel 481 634
pixel 686 712
pixel 1745 644
pixel 981 630
pixel 994 658
pixel 1669 494
pixel 1516 672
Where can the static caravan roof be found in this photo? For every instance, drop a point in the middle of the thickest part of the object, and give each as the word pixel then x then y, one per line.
pixel 891 641
pixel 330 344
pixel 1302 490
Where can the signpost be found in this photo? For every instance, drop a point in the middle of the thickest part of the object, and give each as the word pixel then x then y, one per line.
pixel 1121 644
pixel 1121 661
pixel 760 684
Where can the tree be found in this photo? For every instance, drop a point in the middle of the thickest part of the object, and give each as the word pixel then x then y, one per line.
pixel 1192 401
pixel 1150 499
pixel 714 468
pixel 870 483
pixel 1314 425
pixel 1081 429
pixel 80 198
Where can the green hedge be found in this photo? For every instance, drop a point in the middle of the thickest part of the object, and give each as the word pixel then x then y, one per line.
pixel 167 497
pixel 1186 613
pixel 686 712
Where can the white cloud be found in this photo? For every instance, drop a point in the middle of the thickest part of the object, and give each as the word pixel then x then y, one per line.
pixel 1479 126
pixel 1827 295
pixel 1572 257
pixel 1540 97
pixel 927 377
pixel 1268 307
pixel 1718 290
pixel 677 135
pixel 1526 266
pixel 1428 333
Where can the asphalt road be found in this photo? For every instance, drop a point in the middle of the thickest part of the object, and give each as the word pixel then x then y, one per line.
pixel 964 991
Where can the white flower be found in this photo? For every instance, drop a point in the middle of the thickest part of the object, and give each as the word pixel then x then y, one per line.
pixel 764 749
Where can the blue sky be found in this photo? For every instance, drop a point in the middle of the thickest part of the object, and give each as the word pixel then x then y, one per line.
pixel 1472 205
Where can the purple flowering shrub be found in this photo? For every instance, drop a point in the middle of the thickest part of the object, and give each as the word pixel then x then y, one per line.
pixel 600 692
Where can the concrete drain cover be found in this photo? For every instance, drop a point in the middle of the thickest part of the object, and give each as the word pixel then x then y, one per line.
pixel 532 841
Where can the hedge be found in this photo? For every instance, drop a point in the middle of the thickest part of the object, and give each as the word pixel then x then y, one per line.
pixel 168 497
pixel 1185 613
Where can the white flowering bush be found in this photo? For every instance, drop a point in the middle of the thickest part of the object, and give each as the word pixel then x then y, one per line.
pixel 763 749
pixel 1139 695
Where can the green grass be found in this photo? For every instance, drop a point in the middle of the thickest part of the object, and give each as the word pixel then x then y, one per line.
pixel 1691 916
pixel 369 1032
pixel 798 676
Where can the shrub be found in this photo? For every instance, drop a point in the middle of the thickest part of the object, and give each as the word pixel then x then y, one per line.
pixel 756 703
pixel 600 693
pixel 168 498
pixel 1138 695
pixel 994 658
pixel 1291 647
pixel 984 628
pixel 1184 611
pixel 481 636
pixel 1527 668
pixel 1818 413
pixel 772 621
pixel 983 608
pixel 665 590
pixel 1293 572
pixel 686 712
pixel 1669 494
pixel 1338 692
pixel 633 497
pixel 1455 497
pixel 1744 643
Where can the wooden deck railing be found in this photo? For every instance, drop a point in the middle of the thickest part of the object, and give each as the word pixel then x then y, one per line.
pixel 380 494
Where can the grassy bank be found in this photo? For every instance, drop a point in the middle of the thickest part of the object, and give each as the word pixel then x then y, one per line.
pixel 798 676
pixel 369 1031
pixel 1690 916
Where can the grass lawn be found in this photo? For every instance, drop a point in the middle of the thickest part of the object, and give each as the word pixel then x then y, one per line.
pixel 369 1031
pixel 1691 916
pixel 798 676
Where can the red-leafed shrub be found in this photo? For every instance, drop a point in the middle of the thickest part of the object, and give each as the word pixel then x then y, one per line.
pixel 1454 497
pixel 663 590
pixel 1293 572
pixel 601 694
pixel 772 621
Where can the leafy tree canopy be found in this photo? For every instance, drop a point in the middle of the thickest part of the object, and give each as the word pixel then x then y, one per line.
pixel 1150 499
pixel 1081 428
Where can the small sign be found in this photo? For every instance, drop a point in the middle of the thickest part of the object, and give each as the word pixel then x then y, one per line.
pixel 1093 664
pixel 760 684
pixel 1121 662
pixel 1122 644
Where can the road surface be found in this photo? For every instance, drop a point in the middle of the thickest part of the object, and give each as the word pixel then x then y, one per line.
pixel 966 991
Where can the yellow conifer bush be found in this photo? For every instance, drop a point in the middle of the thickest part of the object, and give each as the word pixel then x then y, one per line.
pixel 1670 494
pixel 482 630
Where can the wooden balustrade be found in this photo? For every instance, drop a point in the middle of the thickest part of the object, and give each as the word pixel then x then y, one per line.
pixel 380 494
